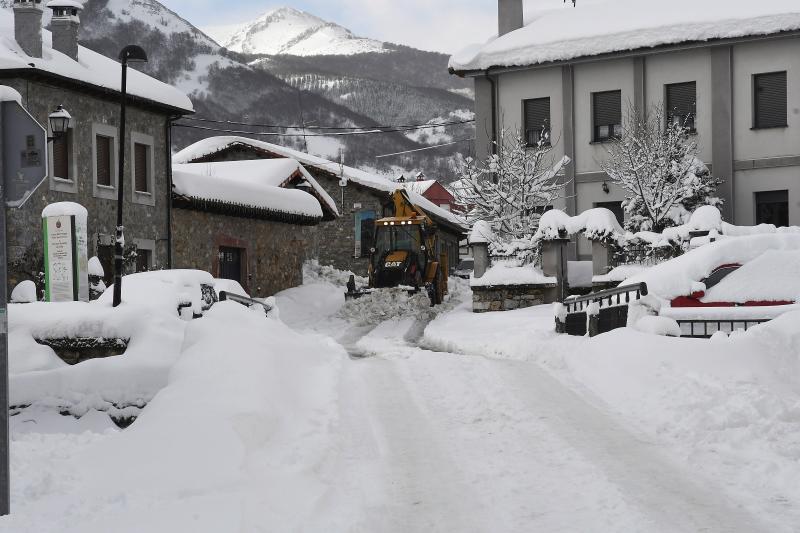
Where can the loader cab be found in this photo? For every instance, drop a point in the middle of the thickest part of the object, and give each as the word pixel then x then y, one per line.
pixel 399 255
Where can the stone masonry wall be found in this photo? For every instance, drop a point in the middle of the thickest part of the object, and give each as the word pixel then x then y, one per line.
pixel 508 298
pixel 25 247
pixel 274 251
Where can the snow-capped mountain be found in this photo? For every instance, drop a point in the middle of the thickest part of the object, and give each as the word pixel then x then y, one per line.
pixel 289 31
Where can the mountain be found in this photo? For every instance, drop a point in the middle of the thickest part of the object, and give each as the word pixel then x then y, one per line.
pixel 292 32
pixel 392 85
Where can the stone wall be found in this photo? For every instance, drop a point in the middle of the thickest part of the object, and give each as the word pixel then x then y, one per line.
pixel 142 222
pixel 509 297
pixel 273 251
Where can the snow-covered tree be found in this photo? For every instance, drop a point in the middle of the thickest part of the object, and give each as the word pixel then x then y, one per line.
pixel 511 189
pixel 656 164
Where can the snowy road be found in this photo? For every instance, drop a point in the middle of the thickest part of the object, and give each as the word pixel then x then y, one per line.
pixel 445 442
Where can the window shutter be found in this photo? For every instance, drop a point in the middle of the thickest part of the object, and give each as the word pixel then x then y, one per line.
pixel 607 108
pixel 537 119
pixel 103 160
pixel 770 100
pixel 141 167
pixel 61 156
pixel 682 99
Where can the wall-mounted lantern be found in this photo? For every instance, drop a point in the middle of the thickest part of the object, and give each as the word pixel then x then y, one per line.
pixel 59 122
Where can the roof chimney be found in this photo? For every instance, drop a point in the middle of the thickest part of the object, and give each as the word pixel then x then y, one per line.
pixel 28 26
pixel 509 15
pixel 64 25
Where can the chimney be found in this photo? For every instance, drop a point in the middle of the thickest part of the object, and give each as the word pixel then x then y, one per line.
pixel 64 25
pixel 509 15
pixel 28 26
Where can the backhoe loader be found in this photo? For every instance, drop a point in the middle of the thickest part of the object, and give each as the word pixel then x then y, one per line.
pixel 407 253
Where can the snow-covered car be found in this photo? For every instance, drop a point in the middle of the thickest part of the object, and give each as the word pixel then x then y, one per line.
pixel 464 268
pixel 190 293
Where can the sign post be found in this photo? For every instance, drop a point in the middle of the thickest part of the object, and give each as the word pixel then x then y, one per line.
pixel 23 167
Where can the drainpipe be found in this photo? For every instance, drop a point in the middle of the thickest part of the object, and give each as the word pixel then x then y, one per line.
pixel 493 83
pixel 168 132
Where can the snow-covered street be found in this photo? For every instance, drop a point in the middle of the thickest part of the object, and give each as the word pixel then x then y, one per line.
pixel 453 422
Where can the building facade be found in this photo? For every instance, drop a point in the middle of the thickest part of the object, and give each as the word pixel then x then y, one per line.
pixel 83 162
pixel 738 96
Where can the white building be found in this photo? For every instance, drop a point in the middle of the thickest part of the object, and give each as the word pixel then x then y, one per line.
pixel 732 67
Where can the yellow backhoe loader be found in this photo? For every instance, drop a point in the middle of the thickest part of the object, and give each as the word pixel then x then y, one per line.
pixel 407 253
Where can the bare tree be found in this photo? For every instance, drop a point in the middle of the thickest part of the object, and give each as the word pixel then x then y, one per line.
pixel 511 189
pixel 658 168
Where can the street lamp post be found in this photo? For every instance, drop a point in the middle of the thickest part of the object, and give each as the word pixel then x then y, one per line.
pixel 130 54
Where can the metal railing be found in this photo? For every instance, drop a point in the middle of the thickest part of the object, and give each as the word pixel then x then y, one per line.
pixel 704 329
pixel 244 300
pixel 578 304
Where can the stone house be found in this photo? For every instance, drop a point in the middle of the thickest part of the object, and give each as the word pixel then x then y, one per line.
pixel 248 221
pixel 361 198
pixel 82 162
pixel 729 72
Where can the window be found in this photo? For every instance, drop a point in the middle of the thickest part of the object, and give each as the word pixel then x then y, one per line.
pixel 537 121
pixel 144 260
pixel 607 115
pixel 103 154
pixel 769 100
pixel 62 148
pixel 682 104
pixel 141 167
pixel 365 233
pixel 614 207
pixel 772 207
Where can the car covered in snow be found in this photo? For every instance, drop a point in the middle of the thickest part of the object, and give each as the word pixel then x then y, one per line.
pixel 190 293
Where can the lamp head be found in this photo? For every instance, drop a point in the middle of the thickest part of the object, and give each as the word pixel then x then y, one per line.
pixel 133 54
pixel 59 121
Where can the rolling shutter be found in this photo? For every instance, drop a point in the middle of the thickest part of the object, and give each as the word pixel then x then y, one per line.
pixel 537 120
pixel 607 108
pixel 141 167
pixel 770 100
pixel 681 99
pixel 61 157
pixel 103 160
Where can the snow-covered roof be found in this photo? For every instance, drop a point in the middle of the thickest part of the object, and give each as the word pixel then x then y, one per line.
pixel 621 25
pixel 64 3
pixel 268 172
pixel 481 233
pixel 419 187
pixel 91 68
pixel 253 190
pixel 213 145
pixel 505 274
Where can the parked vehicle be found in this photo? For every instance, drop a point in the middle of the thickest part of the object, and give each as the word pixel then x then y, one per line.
pixel 464 268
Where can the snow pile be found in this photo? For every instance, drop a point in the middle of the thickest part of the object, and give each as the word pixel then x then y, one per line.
pixel 677 277
pixel 481 233
pixel 621 273
pixel 705 218
pixel 9 94
pixel 386 304
pixel 252 425
pixel 24 293
pixel 313 273
pixel 600 28
pixel 774 276
pixel 96 267
pixel 658 325
pixel 729 230
pixel 502 273
pixel 199 181
pixel 597 224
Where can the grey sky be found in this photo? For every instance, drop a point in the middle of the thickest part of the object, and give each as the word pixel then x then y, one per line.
pixel 443 25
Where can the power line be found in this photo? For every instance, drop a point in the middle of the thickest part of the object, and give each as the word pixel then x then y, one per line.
pixel 369 128
pixel 426 148
pixel 277 134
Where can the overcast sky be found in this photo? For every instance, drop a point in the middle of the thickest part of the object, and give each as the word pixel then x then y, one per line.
pixel 443 25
